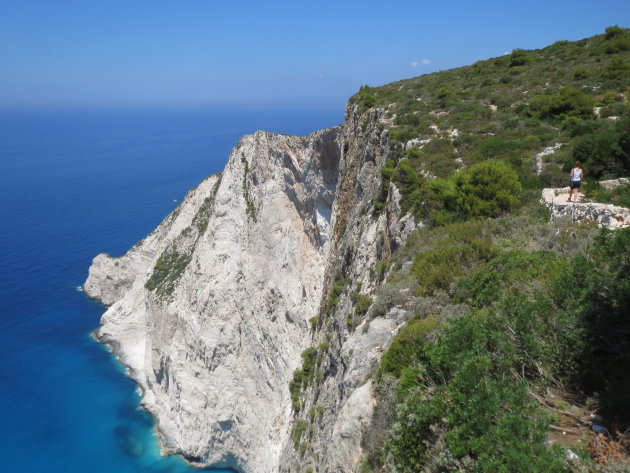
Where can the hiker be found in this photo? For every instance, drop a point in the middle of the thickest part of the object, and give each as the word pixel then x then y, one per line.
pixel 576 176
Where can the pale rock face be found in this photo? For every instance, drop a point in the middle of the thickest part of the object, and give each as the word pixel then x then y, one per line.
pixel 354 415
pixel 344 397
pixel 214 351
pixel 109 279
pixel 210 313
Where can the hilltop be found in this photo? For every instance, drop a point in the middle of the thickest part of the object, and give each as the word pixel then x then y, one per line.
pixel 538 110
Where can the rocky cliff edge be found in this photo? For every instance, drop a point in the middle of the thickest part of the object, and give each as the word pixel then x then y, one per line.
pixel 211 312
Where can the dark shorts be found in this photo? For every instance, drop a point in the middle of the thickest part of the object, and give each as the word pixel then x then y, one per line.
pixel 575 184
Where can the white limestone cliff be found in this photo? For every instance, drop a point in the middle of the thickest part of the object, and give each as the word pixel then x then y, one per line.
pixel 211 312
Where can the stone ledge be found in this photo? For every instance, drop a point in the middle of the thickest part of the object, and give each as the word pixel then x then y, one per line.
pixel 604 215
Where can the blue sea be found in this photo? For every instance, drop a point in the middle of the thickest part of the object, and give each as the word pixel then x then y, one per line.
pixel 75 183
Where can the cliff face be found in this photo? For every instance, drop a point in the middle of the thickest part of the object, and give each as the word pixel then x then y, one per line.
pixel 211 312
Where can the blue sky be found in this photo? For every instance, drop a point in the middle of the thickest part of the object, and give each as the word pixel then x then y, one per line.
pixel 257 53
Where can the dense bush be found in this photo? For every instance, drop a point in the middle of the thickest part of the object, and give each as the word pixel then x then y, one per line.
pixel 465 248
pixel 365 98
pixel 517 272
pixel 487 189
pixel 169 267
pixel 519 321
pixel 462 400
pixel 362 303
pixel 467 399
pixel 614 32
pixel 569 102
pixel 519 57
pixel 597 290
pixel 606 153
pixel 618 196
pixel 302 376
pixel 599 152
pixel 437 268
pixel 617 73
pixel 407 346
pixel 617 40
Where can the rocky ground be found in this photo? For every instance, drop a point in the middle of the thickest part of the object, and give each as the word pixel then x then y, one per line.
pixel 604 215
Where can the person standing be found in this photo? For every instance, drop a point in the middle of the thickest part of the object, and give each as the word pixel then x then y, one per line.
pixel 576 176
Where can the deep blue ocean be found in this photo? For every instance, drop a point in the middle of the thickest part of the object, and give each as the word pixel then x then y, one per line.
pixel 74 184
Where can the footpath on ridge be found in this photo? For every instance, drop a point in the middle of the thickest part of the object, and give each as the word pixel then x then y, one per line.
pixel 604 215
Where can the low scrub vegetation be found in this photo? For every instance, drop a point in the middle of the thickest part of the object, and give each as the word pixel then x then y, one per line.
pixel 468 389
pixel 168 268
pixel 505 307
pixel 508 109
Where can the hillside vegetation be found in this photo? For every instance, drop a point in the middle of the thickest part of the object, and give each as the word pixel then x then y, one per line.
pixel 571 95
pixel 517 356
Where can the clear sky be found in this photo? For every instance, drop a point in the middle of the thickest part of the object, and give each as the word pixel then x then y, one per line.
pixel 262 53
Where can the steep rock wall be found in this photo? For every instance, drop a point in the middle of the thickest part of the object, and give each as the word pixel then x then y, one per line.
pixel 337 402
pixel 212 311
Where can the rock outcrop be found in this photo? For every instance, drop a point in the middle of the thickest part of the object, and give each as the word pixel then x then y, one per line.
pixel 212 311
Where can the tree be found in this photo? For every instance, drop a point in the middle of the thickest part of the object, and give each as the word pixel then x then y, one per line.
pixel 487 189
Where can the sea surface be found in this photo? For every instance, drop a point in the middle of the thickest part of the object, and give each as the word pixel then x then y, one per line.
pixel 75 183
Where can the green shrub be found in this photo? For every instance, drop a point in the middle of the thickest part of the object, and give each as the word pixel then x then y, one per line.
pixel 487 189
pixel 618 196
pixel 167 271
pixel 409 182
pixel 386 175
pixel 602 155
pixel 302 376
pixel 459 254
pixel 510 272
pixel 618 44
pixel 580 73
pixel 365 98
pixel 499 147
pixel 519 57
pixel 614 32
pixel 464 396
pixel 309 356
pixel 597 290
pixel 436 269
pixel 300 427
pixel 569 102
pixel 362 303
pixel 407 346
pixel 617 73
pixel 469 398
pixel 339 285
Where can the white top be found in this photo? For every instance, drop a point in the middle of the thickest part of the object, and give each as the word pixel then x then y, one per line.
pixel 576 174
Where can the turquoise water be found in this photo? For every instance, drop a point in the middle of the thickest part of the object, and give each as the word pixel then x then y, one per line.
pixel 74 184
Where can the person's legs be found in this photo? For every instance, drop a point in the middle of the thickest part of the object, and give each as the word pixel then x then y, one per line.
pixel 576 190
